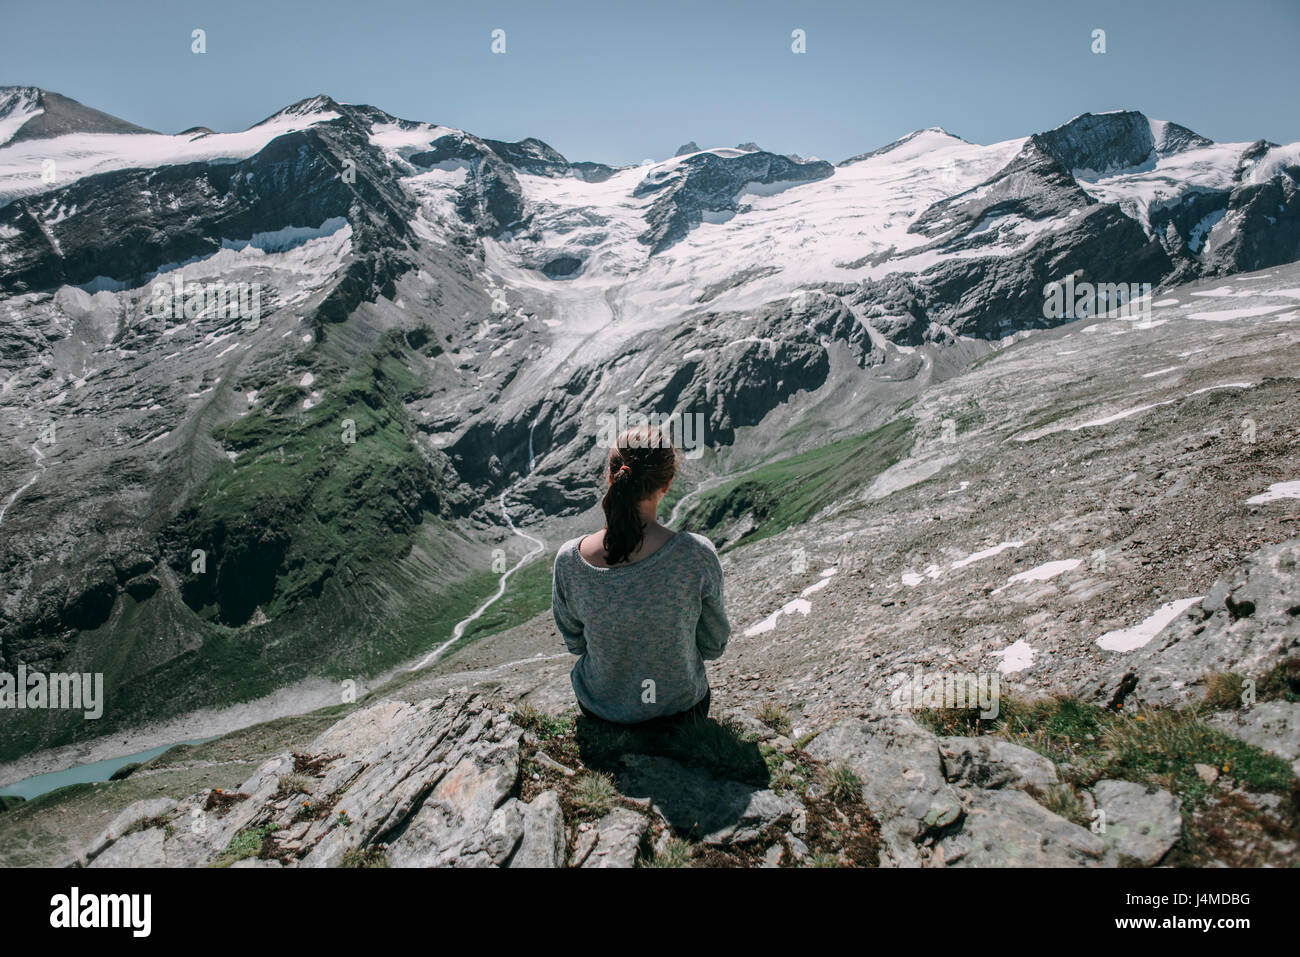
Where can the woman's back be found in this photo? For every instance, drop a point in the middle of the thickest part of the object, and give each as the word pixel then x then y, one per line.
pixel 643 629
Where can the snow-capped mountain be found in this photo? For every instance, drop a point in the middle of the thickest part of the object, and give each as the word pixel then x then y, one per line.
pixel 472 307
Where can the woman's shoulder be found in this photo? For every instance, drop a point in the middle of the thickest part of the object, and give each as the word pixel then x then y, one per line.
pixel 701 549
pixel 568 551
pixel 698 542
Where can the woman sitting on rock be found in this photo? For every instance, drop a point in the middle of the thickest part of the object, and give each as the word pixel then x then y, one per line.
pixel 640 604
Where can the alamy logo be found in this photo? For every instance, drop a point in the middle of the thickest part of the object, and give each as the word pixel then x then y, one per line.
pixel 939 690
pixel 218 300
pixel 1070 299
pixel 103 910
pixel 57 690
pixel 685 429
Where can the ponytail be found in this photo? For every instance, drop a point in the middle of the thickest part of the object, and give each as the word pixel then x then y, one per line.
pixel 642 462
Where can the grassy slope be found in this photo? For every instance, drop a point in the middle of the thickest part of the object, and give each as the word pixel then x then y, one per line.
pixel 792 490
pixel 323 557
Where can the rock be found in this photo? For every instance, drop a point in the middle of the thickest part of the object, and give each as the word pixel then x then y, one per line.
pixel 617 836
pixel 458 823
pixel 391 755
pixel 1271 725
pixel 986 762
pixel 1008 828
pixel 902 779
pixel 1247 634
pixel 1215 599
pixel 1207 773
pixel 583 846
pixel 430 783
pixel 1142 823
pixel 695 803
pixel 130 815
pixel 798 849
pixel 543 838
pixel 139 849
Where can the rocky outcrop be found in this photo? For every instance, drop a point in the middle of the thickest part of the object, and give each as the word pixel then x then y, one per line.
pixel 1008 828
pixel 695 802
pixel 708 183
pixel 993 763
pixel 903 780
pixel 1244 625
pixel 438 784
pixel 417 785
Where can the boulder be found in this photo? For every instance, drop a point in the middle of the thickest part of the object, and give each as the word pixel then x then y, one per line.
pixel 992 763
pixel 695 803
pixel 902 780
pixel 1244 626
pixel 543 838
pixel 1141 823
pixel 1008 828
pixel 618 835
pixel 128 817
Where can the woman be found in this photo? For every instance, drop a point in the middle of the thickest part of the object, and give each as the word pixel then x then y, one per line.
pixel 640 604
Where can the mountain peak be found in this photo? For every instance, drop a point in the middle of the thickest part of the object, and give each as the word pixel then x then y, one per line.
pixel 319 106
pixel 30 113
pixel 930 132
pixel 1096 144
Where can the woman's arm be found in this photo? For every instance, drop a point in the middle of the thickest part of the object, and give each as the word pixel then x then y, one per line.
pixel 570 627
pixel 713 630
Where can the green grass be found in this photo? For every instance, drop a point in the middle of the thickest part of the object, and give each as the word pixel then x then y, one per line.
pixel 544 725
pixel 299 505
pixel 527 594
pixel 364 857
pixel 247 843
pixel 1226 691
pixel 843 784
pixel 593 794
pixel 1160 747
pixel 1167 745
pixel 778 719
pixel 792 490
pixel 676 853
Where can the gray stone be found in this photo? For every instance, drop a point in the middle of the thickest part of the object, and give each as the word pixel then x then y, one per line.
pixel 1216 598
pixel 130 815
pixel 1008 828
pixel 697 804
pixel 1247 634
pixel 902 780
pixel 618 835
pixel 543 838
pixel 987 762
pixel 139 849
pixel 446 829
pixel 1142 823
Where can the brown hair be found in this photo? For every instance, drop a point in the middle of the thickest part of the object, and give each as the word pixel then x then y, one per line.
pixel 642 462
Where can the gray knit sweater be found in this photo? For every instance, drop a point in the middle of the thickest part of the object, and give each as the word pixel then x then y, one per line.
pixel 644 630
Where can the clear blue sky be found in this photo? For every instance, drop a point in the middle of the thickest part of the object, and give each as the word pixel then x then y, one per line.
pixel 620 82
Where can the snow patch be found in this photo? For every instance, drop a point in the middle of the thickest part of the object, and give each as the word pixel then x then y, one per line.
pixel 1128 639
